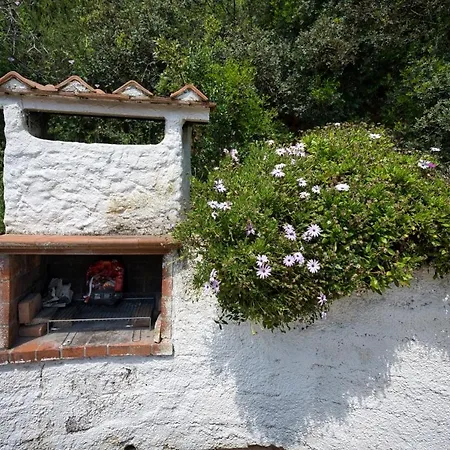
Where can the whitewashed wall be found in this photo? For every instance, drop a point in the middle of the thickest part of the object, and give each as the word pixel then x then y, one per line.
pixel 54 187
pixel 374 375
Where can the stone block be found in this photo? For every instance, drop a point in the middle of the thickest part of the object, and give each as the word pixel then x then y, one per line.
pixel 29 307
pixel 33 330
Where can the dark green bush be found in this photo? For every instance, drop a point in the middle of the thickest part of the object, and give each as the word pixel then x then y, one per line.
pixel 394 217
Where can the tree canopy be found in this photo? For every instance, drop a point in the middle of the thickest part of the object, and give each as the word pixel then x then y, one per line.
pixel 271 66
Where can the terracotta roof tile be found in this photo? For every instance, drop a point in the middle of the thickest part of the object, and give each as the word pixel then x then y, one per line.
pixel 13 83
pixel 133 89
pixel 190 93
pixel 74 84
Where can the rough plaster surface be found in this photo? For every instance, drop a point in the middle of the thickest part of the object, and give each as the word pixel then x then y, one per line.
pixel 56 187
pixel 374 375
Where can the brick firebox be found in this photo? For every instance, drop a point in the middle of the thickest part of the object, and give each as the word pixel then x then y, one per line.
pixel 23 272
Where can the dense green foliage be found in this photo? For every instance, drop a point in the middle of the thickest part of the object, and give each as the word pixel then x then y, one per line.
pixel 304 62
pixel 373 214
pixel 275 69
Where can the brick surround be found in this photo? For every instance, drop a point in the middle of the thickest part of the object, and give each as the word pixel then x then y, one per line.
pixel 22 274
pixel 18 276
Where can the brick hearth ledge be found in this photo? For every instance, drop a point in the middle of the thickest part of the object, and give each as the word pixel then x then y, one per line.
pixel 86 245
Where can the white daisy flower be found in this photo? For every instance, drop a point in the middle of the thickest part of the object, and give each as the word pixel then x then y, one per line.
pixel 314 230
pixel 261 260
pixel 306 236
pixel 292 236
pixel 289 232
pixel 234 155
pixel 316 189
pixel 280 166
pixel 299 258
pixel 288 228
pixel 213 204
pixel 301 182
pixel 374 135
pixel 215 286
pixel 280 151
pixel 435 149
pixel 219 186
pixel 263 271
pixel 304 195
pixel 278 173
pixel 224 206
pixel 342 187
pixel 289 260
pixel 313 265
pixel 322 299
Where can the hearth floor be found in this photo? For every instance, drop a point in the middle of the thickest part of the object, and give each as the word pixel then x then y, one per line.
pixel 84 344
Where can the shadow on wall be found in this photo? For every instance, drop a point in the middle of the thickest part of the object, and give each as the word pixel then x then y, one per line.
pixel 288 384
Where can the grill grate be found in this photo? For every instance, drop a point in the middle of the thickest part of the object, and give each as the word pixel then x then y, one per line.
pixel 136 313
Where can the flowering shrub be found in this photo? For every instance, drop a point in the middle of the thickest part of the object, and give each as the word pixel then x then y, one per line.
pixel 290 229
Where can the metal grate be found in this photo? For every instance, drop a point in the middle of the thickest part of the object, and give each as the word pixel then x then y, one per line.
pixel 136 313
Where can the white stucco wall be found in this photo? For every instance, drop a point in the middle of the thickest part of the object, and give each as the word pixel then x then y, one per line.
pixel 374 375
pixel 56 187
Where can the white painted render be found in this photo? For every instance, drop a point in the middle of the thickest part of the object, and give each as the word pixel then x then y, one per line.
pixel 373 375
pixel 56 187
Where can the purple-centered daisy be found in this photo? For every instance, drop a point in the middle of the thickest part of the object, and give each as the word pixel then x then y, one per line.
pixel 277 173
pixel 299 258
pixel 261 260
pixel 213 274
pixel 323 315
pixel 213 204
pixel 316 189
pixel 280 151
pixel 224 206
pixel 313 265
pixel 291 236
pixel 219 186
pixel 215 286
pixel 263 271
pixel 423 164
pixel 301 182
pixel 287 228
pixel 289 260
pixel 314 230
pixel 342 187
pixel 289 232
pixel 306 236
pixel 234 155
pixel 249 229
pixel 322 299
